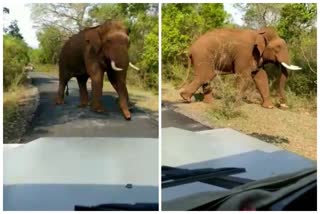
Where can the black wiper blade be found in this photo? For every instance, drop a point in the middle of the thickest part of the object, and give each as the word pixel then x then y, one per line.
pixel 119 207
pixel 172 176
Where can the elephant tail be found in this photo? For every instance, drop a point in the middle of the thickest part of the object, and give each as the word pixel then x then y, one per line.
pixel 188 70
pixel 67 90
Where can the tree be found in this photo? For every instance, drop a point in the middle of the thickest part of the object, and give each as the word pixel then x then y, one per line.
pixel 14 30
pixel 182 24
pixel 297 26
pixel 297 18
pixel 260 15
pixel 68 17
pixel 6 10
pixel 51 41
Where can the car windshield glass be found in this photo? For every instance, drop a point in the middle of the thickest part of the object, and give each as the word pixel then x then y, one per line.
pixel 265 193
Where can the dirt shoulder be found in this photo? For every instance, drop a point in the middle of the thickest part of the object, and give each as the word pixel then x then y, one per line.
pixel 295 131
pixel 19 107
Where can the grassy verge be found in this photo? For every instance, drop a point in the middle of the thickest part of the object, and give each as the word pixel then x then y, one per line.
pixel 12 114
pixel 144 99
pixel 47 68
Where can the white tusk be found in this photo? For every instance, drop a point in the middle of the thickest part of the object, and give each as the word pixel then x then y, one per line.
pixel 291 67
pixel 114 67
pixel 133 66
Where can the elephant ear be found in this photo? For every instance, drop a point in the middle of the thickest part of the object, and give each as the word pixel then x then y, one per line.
pixel 261 42
pixel 93 39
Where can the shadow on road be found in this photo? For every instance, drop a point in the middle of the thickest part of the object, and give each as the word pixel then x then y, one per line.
pixel 270 138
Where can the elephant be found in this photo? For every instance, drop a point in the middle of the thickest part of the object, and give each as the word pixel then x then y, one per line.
pixel 243 52
pixel 91 52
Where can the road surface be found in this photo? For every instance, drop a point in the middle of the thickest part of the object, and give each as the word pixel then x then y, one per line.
pixel 70 121
pixel 171 118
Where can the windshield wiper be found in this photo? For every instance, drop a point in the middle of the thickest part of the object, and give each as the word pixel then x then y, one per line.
pixel 172 176
pixel 292 191
pixel 119 207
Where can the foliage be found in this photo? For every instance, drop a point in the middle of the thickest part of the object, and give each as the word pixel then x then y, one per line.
pixel 260 15
pixel 15 57
pixel 51 40
pixel 296 18
pixel 13 30
pixel 181 24
pixel 297 27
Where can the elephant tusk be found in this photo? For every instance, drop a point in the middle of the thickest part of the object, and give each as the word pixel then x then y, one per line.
pixel 114 67
pixel 291 67
pixel 133 66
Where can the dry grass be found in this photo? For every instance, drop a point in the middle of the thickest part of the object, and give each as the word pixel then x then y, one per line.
pixel 13 118
pixel 294 129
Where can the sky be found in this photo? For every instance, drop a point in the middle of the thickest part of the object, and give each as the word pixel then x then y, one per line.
pixel 22 14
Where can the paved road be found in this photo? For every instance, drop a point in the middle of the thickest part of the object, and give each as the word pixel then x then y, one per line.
pixel 70 121
pixel 171 118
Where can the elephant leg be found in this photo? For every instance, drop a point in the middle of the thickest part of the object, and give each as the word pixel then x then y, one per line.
pixel 96 75
pixel 207 93
pixel 203 74
pixel 282 83
pixel 262 84
pixel 123 98
pixel 242 84
pixel 112 78
pixel 61 89
pixel 82 82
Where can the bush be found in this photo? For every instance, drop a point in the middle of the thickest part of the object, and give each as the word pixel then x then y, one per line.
pixel 15 57
pixel 225 90
pixel 182 23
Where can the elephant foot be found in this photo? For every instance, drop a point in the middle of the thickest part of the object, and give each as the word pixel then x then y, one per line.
pixel 83 103
pixel 98 108
pixel 126 114
pixel 208 98
pixel 59 101
pixel 267 104
pixel 283 106
pixel 185 96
